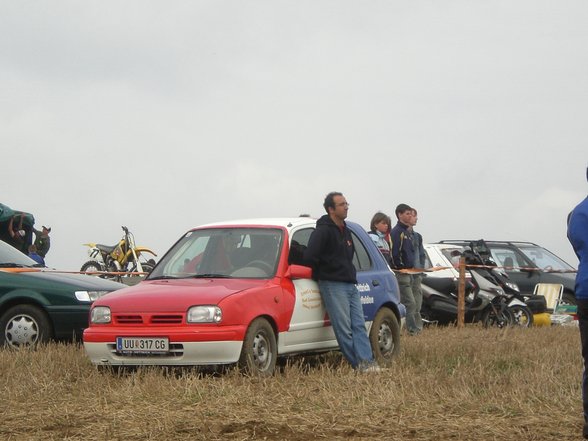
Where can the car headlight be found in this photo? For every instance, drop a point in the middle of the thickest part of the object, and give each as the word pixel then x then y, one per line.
pixel 204 314
pixel 100 314
pixel 89 296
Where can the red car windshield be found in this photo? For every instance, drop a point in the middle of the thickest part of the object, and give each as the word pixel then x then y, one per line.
pixel 222 252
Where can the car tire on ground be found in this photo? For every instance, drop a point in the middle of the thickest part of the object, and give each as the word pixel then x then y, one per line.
pixel 260 351
pixel 24 326
pixel 385 336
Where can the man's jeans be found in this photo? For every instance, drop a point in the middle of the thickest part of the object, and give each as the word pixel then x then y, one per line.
pixel 583 322
pixel 346 314
pixel 412 301
pixel 417 292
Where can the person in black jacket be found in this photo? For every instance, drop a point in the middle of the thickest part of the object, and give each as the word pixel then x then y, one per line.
pixel 330 252
pixel 42 241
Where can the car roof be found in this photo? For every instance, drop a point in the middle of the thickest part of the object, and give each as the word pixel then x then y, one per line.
pixel 287 223
pixel 490 242
pixel 443 246
pixel 284 222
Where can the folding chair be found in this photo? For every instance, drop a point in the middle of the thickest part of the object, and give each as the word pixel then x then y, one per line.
pixel 552 292
pixel 553 295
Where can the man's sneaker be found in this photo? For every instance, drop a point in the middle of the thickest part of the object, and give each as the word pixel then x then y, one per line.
pixel 585 431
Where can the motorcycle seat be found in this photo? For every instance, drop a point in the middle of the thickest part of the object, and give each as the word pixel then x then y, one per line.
pixel 536 303
pixel 105 248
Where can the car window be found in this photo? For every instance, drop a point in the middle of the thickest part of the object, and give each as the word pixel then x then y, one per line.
pixel 543 258
pixel 453 255
pixel 361 257
pixel 427 262
pixel 507 257
pixel 189 256
pixel 223 252
pixel 11 256
pixel 298 244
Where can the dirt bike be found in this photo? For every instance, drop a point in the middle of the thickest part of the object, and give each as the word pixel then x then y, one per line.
pixel 125 256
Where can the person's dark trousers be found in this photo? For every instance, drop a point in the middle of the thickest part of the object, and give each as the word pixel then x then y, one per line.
pixel 583 322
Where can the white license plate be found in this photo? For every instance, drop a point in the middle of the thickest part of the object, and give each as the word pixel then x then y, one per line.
pixel 146 345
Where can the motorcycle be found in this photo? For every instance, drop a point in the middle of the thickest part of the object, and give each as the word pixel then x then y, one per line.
pixel 523 306
pixel 125 256
pixel 485 301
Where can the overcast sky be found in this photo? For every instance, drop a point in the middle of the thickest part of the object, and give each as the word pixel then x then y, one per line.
pixel 162 116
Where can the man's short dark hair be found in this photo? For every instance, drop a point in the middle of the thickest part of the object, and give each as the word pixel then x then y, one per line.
pixel 330 200
pixel 402 208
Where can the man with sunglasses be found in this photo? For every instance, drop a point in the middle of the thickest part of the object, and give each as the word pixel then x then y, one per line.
pixel 330 253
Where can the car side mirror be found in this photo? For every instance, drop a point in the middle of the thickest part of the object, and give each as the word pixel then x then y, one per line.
pixel 299 272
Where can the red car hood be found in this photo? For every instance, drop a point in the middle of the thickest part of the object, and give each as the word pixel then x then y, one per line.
pixel 165 296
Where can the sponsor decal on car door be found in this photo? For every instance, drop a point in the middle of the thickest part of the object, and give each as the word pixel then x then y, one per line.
pixel 309 327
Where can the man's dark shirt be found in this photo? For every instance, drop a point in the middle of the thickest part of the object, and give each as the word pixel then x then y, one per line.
pixel 330 252
pixel 402 250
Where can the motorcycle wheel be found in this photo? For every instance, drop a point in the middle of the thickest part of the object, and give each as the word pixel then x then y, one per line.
pixel 522 315
pixel 501 318
pixel 147 267
pixel 91 266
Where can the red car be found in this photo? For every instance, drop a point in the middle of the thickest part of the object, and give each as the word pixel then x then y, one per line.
pixel 235 293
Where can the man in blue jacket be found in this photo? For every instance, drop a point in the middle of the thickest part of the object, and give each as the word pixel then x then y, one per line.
pixel 403 259
pixel 330 253
pixel 578 237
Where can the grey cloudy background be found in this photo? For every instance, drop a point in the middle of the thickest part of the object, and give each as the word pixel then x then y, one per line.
pixel 165 115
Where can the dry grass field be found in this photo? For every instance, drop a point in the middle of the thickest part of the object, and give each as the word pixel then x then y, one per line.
pixel 468 384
